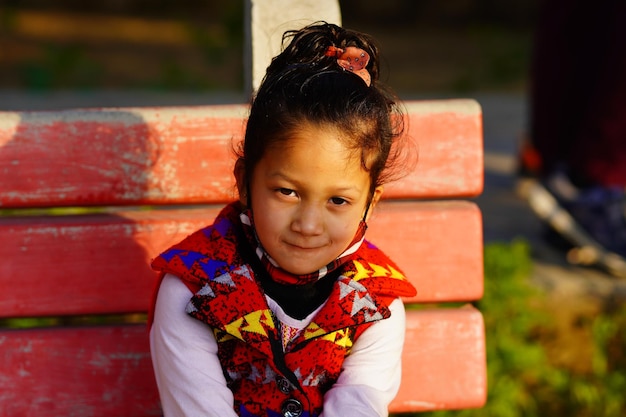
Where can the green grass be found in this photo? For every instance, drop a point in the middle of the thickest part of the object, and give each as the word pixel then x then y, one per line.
pixel 522 381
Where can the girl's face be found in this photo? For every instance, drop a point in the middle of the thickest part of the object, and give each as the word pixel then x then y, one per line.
pixel 308 195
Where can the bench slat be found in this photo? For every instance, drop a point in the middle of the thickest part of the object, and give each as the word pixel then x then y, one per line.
pixel 39 372
pixel 72 264
pixel 448 135
pixel 439 246
pixel 184 155
pixel 87 372
pixel 443 362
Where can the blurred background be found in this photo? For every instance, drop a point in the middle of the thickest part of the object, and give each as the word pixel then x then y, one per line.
pixel 197 46
pixel 556 332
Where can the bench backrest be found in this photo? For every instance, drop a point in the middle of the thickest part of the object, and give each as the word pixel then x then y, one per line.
pixel 89 197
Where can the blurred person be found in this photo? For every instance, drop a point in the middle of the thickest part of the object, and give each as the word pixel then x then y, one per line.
pixel 577 144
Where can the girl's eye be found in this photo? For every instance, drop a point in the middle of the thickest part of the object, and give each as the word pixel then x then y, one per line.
pixel 338 201
pixel 287 191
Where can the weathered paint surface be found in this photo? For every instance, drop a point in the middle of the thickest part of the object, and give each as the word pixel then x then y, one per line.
pixel 447 137
pixel 439 246
pixel 118 156
pixel 94 264
pixel 87 372
pixel 438 374
pixel 185 155
pixel 104 259
pixel 104 371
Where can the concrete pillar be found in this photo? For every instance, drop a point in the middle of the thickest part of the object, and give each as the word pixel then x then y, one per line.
pixel 265 21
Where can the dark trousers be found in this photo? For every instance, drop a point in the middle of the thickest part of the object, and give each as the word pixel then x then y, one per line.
pixel 578 89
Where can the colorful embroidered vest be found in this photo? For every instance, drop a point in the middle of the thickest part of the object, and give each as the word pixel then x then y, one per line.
pixel 266 379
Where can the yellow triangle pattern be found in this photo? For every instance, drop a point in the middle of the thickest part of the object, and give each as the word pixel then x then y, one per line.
pixel 361 271
pixel 375 271
pixel 339 337
pixel 233 328
pixel 379 271
pixel 312 331
pixel 395 273
pixel 254 322
pixel 221 336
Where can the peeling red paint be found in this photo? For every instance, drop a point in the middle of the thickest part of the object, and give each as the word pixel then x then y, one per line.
pixel 174 156
pixel 62 265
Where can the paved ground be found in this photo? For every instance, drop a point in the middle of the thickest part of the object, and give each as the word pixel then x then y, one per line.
pixel 506 216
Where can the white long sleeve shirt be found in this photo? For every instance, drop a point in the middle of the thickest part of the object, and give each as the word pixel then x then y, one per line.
pixel 190 379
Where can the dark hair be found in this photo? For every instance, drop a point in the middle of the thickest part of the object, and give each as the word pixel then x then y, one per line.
pixel 302 84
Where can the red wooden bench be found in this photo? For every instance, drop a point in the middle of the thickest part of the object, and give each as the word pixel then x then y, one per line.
pixel 150 176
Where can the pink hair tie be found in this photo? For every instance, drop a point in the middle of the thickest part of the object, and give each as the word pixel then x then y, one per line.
pixel 352 59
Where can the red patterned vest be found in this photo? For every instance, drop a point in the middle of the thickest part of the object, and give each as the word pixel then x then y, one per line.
pixel 266 379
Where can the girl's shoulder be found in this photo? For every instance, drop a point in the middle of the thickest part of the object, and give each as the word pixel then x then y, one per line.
pixel 206 253
pixel 379 273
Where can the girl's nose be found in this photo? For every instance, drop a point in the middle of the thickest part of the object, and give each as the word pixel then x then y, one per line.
pixel 308 220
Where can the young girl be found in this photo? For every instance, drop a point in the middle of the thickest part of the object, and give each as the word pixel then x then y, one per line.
pixel 281 308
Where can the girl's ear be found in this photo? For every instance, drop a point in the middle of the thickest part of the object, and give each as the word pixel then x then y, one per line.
pixel 240 177
pixel 376 195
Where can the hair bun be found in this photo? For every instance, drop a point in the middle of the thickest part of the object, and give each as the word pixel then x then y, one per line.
pixel 310 45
